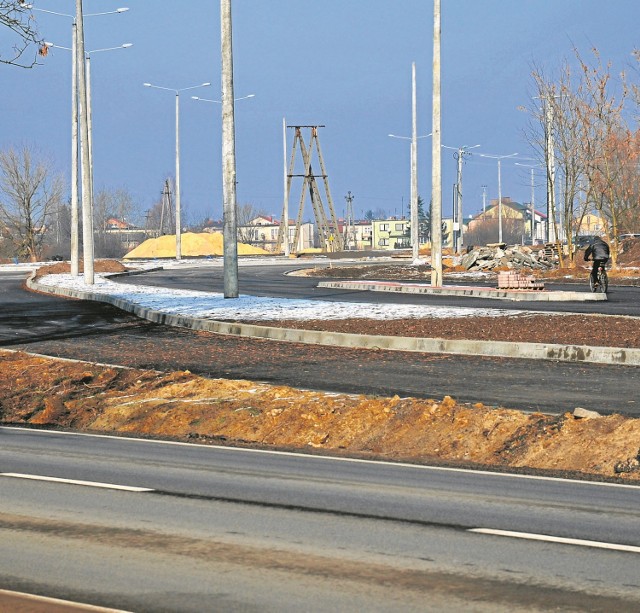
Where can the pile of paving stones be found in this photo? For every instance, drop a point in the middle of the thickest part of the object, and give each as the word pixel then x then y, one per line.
pixel 497 255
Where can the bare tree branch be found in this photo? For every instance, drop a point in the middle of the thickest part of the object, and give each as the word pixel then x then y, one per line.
pixel 19 19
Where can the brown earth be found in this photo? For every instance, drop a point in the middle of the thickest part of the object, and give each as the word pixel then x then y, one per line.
pixel 41 391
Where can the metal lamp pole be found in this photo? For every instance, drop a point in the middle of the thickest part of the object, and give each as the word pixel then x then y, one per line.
pixel 178 207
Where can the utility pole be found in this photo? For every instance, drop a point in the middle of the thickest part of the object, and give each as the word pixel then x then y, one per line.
pixel 458 216
pixel 415 236
pixel 87 196
pixel 229 205
pixel 75 243
pixel 349 231
pixel 484 199
pixel 551 172
pixel 436 158
pixel 533 208
pixel 285 206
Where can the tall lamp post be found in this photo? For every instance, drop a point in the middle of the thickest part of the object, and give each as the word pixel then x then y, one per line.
pixel 458 216
pixel 436 155
pixel 89 102
pixel 532 167
pixel 178 208
pixel 74 137
pixel 415 235
pixel 499 158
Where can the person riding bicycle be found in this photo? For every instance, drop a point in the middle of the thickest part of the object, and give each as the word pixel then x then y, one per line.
pixel 598 251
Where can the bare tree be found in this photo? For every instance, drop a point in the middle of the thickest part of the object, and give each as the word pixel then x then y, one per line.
pixel 245 215
pixel 29 194
pixel 485 231
pixel 603 129
pixel 111 206
pixel 18 18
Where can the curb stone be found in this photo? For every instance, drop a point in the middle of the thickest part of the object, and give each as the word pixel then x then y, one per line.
pixel 532 351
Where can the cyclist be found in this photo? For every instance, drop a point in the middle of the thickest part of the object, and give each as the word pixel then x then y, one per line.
pixel 598 251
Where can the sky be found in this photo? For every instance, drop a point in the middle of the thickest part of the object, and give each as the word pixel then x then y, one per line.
pixel 343 64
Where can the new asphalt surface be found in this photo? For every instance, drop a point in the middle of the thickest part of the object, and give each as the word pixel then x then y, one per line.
pixel 96 332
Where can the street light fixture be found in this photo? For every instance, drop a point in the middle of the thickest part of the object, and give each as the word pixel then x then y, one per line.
pixel 499 158
pixel 77 95
pixel 178 208
pixel 458 216
pixel 220 101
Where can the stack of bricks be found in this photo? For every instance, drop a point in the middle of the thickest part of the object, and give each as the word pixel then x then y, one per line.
pixel 515 280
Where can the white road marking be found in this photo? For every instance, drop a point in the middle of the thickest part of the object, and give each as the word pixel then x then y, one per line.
pixel 109 486
pixel 328 458
pixel 22 596
pixel 556 539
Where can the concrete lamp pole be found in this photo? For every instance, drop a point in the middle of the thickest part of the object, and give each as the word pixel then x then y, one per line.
pixel 89 107
pixel 75 257
pixel 229 198
pixel 532 167
pixel 499 158
pixel 458 216
pixel 178 207
pixel 415 235
pixel 436 156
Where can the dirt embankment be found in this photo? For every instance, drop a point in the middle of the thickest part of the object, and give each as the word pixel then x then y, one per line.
pixel 47 392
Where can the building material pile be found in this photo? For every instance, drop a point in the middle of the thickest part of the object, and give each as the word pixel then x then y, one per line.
pixel 515 280
pixel 498 255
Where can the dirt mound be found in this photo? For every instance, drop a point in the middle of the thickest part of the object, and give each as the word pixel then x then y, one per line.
pixel 180 405
pixel 192 245
pixel 99 266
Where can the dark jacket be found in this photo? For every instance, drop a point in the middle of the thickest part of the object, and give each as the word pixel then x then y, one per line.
pixel 598 250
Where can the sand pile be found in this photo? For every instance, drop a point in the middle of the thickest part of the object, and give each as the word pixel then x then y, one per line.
pixel 193 245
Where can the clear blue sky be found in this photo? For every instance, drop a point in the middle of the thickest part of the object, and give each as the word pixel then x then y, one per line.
pixel 345 64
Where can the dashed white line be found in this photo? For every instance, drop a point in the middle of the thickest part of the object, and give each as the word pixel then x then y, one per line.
pixel 109 486
pixel 557 539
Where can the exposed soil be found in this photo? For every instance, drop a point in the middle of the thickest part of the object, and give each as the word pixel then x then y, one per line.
pixel 47 392
pixel 591 330
pixel 41 391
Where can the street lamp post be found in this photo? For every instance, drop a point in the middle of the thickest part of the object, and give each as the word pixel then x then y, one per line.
pixel 532 167
pixel 89 101
pixel 74 255
pixel 229 197
pixel 436 154
pixel 458 216
pixel 499 158
pixel 415 235
pixel 178 208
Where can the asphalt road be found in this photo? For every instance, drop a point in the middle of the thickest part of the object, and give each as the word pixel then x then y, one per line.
pixel 154 526
pixel 96 332
pixel 271 280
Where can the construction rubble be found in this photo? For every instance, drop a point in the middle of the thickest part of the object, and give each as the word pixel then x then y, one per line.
pixel 498 255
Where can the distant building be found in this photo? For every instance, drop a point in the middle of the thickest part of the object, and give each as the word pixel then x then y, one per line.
pixel 514 210
pixel 390 234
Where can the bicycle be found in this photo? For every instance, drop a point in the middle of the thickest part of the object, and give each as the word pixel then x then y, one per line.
pixel 602 282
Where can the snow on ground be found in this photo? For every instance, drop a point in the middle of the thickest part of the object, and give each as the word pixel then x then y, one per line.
pixel 209 305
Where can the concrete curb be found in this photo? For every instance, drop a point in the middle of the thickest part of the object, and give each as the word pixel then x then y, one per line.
pixel 532 351
pixel 476 292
